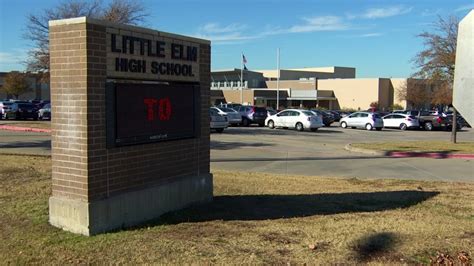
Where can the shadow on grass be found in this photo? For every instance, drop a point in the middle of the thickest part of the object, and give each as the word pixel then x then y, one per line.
pixel 264 207
pixel 375 245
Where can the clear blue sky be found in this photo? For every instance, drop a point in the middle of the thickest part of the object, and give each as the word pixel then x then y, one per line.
pixel 376 37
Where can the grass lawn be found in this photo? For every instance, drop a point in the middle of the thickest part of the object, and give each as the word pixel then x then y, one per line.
pixel 254 218
pixel 419 146
pixel 28 123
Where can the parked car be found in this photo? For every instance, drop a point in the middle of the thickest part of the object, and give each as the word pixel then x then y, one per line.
pixel 234 106
pixel 336 115
pixel 365 120
pixel 45 112
pixel 428 121
pixel 218 121
pixel 327 119
pixel 4 107
pixel 295 118
pixel 20 110
pixel 271 111
pixel 401 121
pixel 253 115
pixel 233 117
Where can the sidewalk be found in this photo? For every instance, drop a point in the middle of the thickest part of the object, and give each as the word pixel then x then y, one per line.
pixel 36 126
pixel 24 129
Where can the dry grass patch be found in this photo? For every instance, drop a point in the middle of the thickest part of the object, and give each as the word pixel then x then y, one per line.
pixel 419 146
pixel 254 218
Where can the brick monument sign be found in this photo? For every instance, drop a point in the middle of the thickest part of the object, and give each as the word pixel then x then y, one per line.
pixel 130 124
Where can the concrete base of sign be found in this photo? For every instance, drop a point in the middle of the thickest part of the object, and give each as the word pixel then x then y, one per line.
pixel 125 210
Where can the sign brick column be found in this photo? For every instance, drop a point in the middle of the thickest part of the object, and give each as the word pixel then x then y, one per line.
pixel 96 187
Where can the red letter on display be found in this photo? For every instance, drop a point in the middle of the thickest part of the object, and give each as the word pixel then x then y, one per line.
pixel 149 106
pixel 165 109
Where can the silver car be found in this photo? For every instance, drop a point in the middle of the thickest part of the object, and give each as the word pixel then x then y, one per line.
pixel 233 117
pixel 365 120
pixel 218 122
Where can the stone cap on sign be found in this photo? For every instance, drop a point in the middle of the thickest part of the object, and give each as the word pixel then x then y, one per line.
pixel 80 20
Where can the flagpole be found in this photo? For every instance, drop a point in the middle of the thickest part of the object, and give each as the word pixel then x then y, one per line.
pixel 242 78
pixel 278 79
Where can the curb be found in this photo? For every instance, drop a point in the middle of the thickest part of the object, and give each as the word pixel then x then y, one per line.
pixel 25 129
pixel 402 154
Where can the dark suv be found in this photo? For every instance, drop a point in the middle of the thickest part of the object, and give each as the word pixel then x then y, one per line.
pixel 253 115
pixel 21 110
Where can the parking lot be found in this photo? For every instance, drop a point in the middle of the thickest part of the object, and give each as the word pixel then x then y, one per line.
pixel 321 153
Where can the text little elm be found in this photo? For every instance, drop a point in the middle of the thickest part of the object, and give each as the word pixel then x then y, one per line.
pixel 156 49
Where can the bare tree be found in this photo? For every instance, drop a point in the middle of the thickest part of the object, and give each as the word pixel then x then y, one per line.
pixel 16 83
pixel 125 12
pixel 121 11
pixel 416 93
pixel 437 61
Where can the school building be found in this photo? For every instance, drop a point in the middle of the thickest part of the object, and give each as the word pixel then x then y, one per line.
pixel 327 87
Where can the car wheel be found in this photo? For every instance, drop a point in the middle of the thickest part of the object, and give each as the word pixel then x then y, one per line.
pixel 219 130
pixel 299 126
pixel 428 126
pixel 245 122
pixel 378 128
pixel 343 124
pixel 314 129
pixel 271 124
pixel 403 126
pixel 368 126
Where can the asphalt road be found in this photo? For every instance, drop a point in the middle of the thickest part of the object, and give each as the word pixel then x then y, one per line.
pixel 322 153
pixel 318 153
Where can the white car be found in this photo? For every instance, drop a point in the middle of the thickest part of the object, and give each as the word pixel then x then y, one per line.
pixel 218 121
pixel 401 121
pixel 4 106
pixel 234 117
pixel 365 120
pixel 294 118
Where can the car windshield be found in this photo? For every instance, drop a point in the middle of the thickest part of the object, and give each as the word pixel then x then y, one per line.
pixel 260 110
pixel 307 113
pixel 376 116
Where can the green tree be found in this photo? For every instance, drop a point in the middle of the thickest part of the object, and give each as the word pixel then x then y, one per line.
pixel 16 83
pixel 120 11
